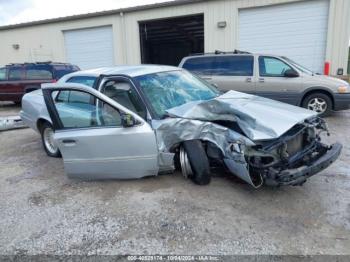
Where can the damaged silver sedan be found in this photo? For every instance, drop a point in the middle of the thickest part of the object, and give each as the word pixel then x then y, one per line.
pixel 142 121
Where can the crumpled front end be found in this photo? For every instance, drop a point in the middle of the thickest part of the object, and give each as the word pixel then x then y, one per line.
pixel 259 140
pixel 292 158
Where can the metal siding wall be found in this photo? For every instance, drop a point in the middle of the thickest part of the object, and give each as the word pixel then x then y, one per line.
pixel 297 30
pixel 49 37
pixel 338 35
pixel 44 37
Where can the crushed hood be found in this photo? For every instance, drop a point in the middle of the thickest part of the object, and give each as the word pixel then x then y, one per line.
pixel 259 118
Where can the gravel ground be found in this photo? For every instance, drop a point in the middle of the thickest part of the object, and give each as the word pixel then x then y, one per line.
pixel 44 212
pixel 8 109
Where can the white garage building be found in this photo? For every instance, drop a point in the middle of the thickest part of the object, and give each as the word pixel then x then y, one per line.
pixel 311 32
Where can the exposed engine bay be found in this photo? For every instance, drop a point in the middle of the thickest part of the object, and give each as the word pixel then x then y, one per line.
pixel 300 146
pixel 280 161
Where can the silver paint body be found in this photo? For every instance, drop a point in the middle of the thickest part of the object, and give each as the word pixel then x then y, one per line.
pixel 146 149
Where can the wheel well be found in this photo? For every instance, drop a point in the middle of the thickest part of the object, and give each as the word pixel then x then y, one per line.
pixel 175 147
pixel 318 91
pixel 30 89
pixel 40 123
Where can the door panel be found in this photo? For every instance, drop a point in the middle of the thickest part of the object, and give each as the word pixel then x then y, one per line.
pixel 12 89
pixel 91 138
pixel 272 83
pixel 107 153
pixel 234 72
pixel 244 84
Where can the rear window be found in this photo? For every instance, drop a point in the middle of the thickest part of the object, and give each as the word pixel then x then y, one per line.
pixel 16 73
pixel 3 74
pixel 85 80
pixel 61 70
pixel 73 97
pixel 233 66
pixel 38 72
pixel 199 65
pixel 221 65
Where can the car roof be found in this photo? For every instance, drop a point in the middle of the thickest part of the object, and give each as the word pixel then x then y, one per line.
pixel 39 64
pixel 131 71
pixel 229 54
pixel 213 55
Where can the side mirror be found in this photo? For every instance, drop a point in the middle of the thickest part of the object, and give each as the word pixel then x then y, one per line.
pixel 215 85
pixel 291 73
pixel 128 120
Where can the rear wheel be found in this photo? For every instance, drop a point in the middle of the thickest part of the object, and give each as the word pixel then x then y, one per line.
pixel 318 102
pixel 49 144
pixel 194 162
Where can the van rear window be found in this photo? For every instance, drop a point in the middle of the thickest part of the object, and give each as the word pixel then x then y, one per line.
pixel 233 66
pixel 199 65
pixel 226 65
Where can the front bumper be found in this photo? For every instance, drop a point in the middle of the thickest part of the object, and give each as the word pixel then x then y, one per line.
pixel 298 176
pixel 341 101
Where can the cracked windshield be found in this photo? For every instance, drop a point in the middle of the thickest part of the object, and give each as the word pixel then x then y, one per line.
pixel 166 90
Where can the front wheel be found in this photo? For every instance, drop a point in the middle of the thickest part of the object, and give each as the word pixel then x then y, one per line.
pixel 49 144
pixel 194 162
pixel 318 102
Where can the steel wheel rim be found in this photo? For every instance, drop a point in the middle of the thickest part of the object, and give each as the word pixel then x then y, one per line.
pixel 185 163
pixel 49 141
pixel 318 105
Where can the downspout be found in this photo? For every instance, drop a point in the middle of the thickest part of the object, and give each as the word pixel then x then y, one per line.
pixel 124 45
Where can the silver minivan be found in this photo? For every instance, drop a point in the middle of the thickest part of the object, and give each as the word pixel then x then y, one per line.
pixel 275 77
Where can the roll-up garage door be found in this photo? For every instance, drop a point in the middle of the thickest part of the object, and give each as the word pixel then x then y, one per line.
pixel 90 48
pixel 297 30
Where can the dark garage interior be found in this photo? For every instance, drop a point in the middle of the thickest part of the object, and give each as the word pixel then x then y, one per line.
pixel 167 41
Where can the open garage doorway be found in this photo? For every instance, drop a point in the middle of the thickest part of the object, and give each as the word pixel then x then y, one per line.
pixel 167 41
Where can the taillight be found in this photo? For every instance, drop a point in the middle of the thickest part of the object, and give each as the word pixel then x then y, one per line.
pixel 54 81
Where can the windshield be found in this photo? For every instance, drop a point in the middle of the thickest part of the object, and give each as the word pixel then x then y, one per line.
pixel 298 66
pixel 166 90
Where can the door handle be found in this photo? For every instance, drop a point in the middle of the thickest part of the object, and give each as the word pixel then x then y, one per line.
pixel 69 142
pixel 261 80
pixel 248 80
pixel 206 78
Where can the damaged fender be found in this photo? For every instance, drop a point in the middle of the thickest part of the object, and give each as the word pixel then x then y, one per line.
pixel 173 131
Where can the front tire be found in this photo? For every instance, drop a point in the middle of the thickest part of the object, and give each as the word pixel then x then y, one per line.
pixel 49 145
pixel 318 102
pixel 198 161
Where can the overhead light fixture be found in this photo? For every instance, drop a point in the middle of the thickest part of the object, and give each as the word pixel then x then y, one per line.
pixel 222 24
